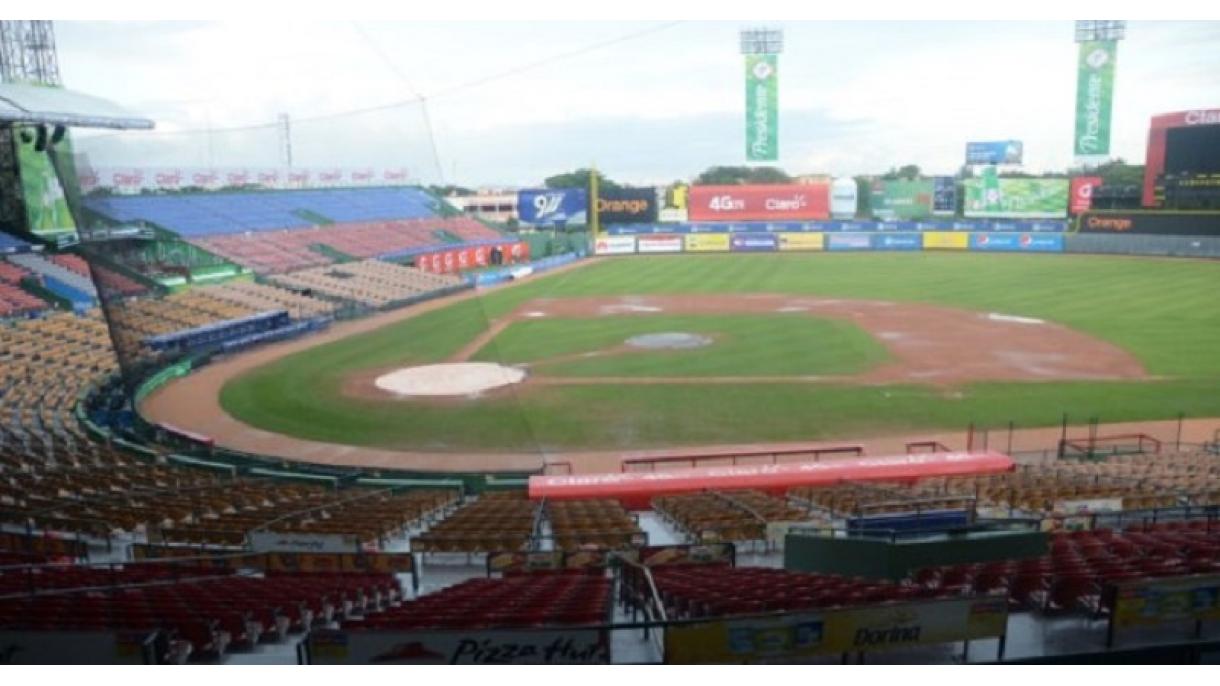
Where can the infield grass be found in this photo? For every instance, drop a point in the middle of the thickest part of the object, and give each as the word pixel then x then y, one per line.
pixel 1165 312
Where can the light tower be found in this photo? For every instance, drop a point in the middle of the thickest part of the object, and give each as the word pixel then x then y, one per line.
pixel 1095 65
pixel 761 48
pixel 27 53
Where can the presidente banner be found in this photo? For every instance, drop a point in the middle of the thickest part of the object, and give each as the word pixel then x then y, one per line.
pixel 1152 223
pixel 523 647
pixel 707 242
pixel 786 637
pixel 1017 242
pixel 627 205
pixel 1082 193
pixel 994 152
pixel 762 108
pixel 902 198
pixel 1094 97
pixel 762 203
pixel 1167 600
pixel 546 207
pixel 991 196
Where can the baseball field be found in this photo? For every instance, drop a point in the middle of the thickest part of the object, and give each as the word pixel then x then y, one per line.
pixel 703 349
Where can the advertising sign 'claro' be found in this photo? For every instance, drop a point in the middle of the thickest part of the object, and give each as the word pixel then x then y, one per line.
pixel 736 203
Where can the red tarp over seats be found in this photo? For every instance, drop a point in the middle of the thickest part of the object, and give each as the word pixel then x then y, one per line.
pixel 636 489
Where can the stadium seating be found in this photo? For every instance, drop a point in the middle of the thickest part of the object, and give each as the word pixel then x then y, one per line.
pixel 497 521
pixel 371 282
pixel 206 617
pixel 586 524
pixel 202 214
pixel 726 516
pixel 574 598
pixel 275 252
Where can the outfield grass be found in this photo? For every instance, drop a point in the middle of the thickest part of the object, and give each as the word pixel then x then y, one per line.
pixel 792 344
pixel 1162 311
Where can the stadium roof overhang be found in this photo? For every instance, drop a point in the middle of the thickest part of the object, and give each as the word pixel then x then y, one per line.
pixel 22 103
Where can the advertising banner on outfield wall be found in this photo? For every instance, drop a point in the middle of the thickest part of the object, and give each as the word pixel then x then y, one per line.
pixel 614 245
pixel 1152 223
pixel 1016 242
pixel 520 647
pixel 655 244
pixel 802 241
pixel 830 632
pixel 1094 97
pixel 752 242
pixel 548 207
pixel 1082 193
pixel 945 240
pixel 991 196
pixel 712 242
pixel 849 241
pixel 1172 599
pixel 902 198
pixel 627 205
pixel 744 203
pixel 673 203
pixel 897 241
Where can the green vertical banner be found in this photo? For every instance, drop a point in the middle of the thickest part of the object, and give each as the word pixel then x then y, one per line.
pixel 762 108
pixel 1094 97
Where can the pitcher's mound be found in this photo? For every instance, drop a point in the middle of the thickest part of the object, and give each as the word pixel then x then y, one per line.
pixel 458 378
pixel 668 341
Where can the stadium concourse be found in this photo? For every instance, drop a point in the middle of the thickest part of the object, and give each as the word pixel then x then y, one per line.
pixel 124 538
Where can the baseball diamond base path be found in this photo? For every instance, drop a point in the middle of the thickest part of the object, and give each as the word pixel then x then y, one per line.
pixel 929 344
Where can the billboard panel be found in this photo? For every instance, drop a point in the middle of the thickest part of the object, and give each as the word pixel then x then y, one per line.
pixel 1094 97
pixel 897 241
pixel 738 203
pixel 1158 134
pixel 673 203
pixel 1153 601
pixel 945 240
pixel 614 245
pixel 944 195
pixel 707 242
pixel 994 152
pixel 569 646
pixel 762 108
pixel 1017 242
pixel 1153 223
pixel 902 198
pixel 1082 193
pixel 805 634
pixel 654 244
pixel 46 208
pixel 802 241
pixel 627 205
pixel 753 242
pixel 544 207
pixel 990 196
pixel 849 241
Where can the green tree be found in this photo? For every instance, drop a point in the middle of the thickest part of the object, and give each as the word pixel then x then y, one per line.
pixel 731 176
pixel 579 179
pixel 864 198
pixel 1114 172
pixel 906 171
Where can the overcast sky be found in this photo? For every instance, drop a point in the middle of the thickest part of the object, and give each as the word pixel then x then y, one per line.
pixel 655 103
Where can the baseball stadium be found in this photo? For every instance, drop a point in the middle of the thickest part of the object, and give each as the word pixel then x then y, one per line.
pixel 334 415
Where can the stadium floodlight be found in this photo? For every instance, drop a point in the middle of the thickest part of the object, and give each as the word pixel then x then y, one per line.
pixel 762 41
pixel 1100 30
